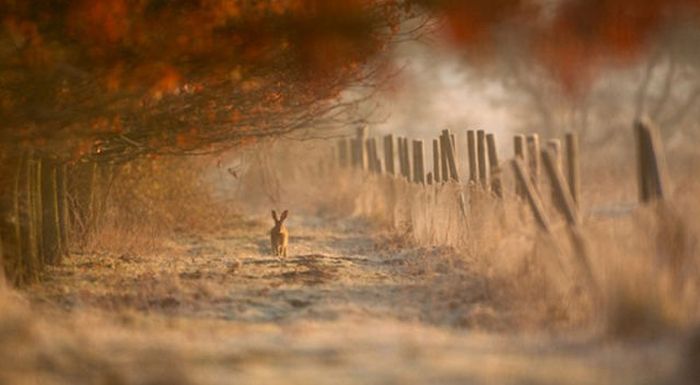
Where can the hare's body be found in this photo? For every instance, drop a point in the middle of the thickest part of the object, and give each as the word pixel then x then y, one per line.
pixel 279 236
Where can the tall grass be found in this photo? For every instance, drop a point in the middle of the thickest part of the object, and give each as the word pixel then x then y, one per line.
pixel 645 259
pixel 151 200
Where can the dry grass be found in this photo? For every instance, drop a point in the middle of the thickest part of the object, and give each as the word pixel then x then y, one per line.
pixel 643 258
pixel 150 200
pixel 383 275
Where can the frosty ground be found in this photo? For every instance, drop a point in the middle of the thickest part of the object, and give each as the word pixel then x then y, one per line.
pixel 350 305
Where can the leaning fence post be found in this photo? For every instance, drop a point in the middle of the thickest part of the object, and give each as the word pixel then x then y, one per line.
pixel 565 203
pixel 481 152
pixel 533 198
pixel 572 167
pixel 389 154
pixel 447 147
pixel 533 144
pixel 563 200
pixel 471 152
pixel 494 167
pixel 520 152
pixel 653 173
pixel 418 159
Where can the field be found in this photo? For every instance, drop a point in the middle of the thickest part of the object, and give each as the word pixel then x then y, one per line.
pixel 360 299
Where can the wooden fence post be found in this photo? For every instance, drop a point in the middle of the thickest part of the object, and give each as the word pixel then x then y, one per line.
pixel 533 198
pixel 371 156
pixel 520 151
pixel 481 152
pixel 407 159
pixel 471 151
pixel 533 144
pixel 355 153
pixel 418 160
pixel 370 159
pixel 444 172
pixel 399 154
pixel 563 200
pixel 572 166
pixel 389 154
pixel 451 163
pixel 377 159
pixel 653 173
pixel 554 145
pixel 494 167
pixel 362 154
pixel 554 148
pixel 436 161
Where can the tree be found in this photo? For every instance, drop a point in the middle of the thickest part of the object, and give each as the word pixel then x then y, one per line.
pixel 94 83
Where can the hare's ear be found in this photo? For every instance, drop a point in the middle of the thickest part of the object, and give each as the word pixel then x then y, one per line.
pixel 274 215
pixel 284 215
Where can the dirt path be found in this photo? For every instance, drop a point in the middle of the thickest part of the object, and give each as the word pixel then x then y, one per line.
pixel 341 309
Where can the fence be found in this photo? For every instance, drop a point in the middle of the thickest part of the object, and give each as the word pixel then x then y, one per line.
pixel 430 201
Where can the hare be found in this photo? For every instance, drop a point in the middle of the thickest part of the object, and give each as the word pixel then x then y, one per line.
pixel 279 236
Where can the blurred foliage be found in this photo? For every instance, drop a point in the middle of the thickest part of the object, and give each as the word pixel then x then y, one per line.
pixel 162 76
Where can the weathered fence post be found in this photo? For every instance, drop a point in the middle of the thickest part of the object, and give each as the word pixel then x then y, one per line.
pixel 400 151
pixel 481 152
pixel 565 203
pixel 520 152
pixel 554 148
pixel 533 144
pixel 355 153
pixel 533 198
pixel 372 156
pixel 572 166
pixel 447 147
pixel 653 174
pixel 436 161
pixel 494 167
pixel 370 159
pixel 443 160
pixel 389 154
pixel 407 159
pixel 418 160
pixel 563 200
pixel 471 151
pixel 361 135
pixel 554 145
